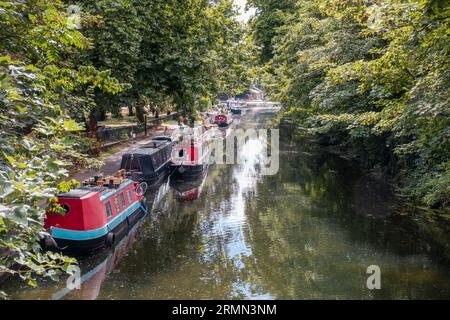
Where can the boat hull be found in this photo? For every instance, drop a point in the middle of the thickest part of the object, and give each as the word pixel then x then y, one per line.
pixel 154 178
pixel 224 124
pixel 113 236
pixel 191 172
pixel 222 120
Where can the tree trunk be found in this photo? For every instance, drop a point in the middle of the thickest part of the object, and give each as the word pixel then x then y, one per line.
pixel 101 114
pixel 140 113
pixel 130 111
pixel 93 123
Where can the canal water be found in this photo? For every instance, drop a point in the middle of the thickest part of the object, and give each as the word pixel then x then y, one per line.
pixel 308 232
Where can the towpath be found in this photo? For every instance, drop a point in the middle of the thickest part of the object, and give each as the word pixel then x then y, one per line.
pixel 111 162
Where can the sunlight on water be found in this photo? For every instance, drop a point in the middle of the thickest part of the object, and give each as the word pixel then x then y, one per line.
pixel 308 232
pixel 232 224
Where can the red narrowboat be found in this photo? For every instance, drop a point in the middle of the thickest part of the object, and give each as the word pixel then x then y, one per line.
pixel 97 214
pixel 222 119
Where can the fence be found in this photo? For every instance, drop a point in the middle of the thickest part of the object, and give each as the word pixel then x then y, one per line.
pixel 110 136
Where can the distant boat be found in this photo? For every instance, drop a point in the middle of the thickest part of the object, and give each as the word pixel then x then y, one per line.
pixel 222 119
pixel 150 162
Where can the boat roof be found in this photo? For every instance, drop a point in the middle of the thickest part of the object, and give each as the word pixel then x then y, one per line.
pixel 81 192
pixel 149 148
pixel 162 138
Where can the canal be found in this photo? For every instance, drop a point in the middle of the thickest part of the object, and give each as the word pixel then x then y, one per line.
pixel 308 232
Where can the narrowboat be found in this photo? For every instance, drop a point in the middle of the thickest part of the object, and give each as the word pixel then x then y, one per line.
pixel 100 265
pixel 222 119
pixel 190 156
pixel 98 214
pixel 235 110
pixel 220 116
pixel 149 163
pixel 236 107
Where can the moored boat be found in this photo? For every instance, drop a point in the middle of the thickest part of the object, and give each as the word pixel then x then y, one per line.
pixel 190 156
pixel 97 267
pixel 235 110
pixel 96 215
pixel 149 162
pixel 222 119
pixel 236 106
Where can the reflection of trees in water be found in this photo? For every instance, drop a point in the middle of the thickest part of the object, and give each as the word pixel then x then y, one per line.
pixel 223 270
pixel 171 258
pixel 308 243
pixel 285 239
pixel 301 237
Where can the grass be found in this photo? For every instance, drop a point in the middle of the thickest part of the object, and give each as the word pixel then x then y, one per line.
pixel 170 123
pixel 115 122
pixel 128 121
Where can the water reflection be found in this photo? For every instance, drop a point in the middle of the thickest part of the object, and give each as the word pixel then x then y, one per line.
pixel 188 190
pixel 92 280
pixel 308 232
pixel 230 225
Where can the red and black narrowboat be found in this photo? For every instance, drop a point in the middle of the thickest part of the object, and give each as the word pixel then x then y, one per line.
pixel 190 156
pixel 98 214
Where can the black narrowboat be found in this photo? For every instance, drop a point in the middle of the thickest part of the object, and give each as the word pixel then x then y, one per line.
pixel 149 162
pixel 235 110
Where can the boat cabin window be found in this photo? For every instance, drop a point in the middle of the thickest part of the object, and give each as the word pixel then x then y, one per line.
pixel 129 196
pixel 108 209
pixel 157 160
pixel 122 200
pixel 66 208
pixel 131 163
pixel 168 152
pixel 116 202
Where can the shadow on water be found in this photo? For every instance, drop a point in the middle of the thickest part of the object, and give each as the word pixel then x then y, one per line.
pixel 323 223
pixel 308 232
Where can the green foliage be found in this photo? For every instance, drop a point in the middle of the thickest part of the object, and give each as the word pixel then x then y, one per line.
pixel 371 75
pixel 236 63
pixel 271 15
pixel 57 80
pixel 170 52
pixel 40 88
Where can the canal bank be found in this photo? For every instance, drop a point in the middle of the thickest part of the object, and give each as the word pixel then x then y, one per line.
pixel 307 232
pixel 111 159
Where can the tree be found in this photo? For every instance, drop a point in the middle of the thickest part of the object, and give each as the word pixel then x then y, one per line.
pixel 371 76
pixel 270 16
pixel 40 87
pixel 235 66
pixel 164 51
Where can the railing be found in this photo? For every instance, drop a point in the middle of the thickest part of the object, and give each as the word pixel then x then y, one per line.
pixel 110 136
